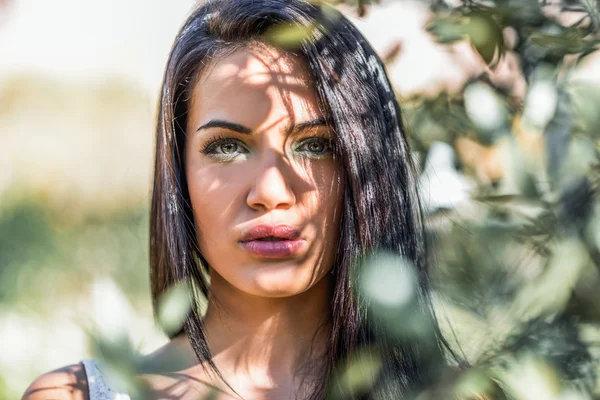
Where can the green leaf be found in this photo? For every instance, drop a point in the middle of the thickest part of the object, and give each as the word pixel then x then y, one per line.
pixel 562 41
pixel 486 36
pixel 586 103
pixel 289 36
pixel 482 30
pixel 485 108
pixel 447 29
pixel 358 375
pixel 388 285
pixel 174 306
pixel 388 281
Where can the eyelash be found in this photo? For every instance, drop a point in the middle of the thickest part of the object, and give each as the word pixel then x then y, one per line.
pixel 311 139
pixel 219 139
pixel 215 141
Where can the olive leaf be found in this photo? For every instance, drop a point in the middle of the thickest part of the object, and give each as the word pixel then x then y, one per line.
pixel 561 41
pixel 479 27
pixel 446 29
pixel 174 306
pixel 485 35
pixel 289 36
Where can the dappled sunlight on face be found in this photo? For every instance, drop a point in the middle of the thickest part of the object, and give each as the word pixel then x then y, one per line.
pixel 259 156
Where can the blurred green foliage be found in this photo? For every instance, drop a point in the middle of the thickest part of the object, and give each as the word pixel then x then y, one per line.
pixel 519 258
pixel 47 253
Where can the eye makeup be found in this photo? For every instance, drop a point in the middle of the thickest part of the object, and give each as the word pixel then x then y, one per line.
pixel 225 147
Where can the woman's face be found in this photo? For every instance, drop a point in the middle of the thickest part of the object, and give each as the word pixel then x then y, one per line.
pixel 263 183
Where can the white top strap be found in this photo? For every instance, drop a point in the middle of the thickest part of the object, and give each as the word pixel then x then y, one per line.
pixel 97 384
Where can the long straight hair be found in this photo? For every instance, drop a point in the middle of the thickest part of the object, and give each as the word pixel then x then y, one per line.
pixel 380 210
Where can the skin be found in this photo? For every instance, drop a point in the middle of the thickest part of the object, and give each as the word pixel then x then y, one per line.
pixel 267 319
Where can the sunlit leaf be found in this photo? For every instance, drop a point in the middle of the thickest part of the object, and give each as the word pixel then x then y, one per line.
pixel 540 104
pixel 530 378
pixel 484 107
pixel 289 36
pixel 358 375
pixel 586 103
pixel 580 158
pixel 118 361
pixel 112 312
pixel 446 29
pixel 486 36
pixel 388 280
pixel 560 41
pixel 472 385
pixel 388 285
pixel 174 306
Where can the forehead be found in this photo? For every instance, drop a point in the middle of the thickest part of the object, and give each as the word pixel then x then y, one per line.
pixel 255 86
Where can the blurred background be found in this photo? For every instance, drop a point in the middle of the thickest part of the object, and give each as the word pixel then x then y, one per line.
pixel 503 109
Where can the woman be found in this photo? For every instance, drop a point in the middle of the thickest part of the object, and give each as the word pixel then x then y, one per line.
pixel 275 172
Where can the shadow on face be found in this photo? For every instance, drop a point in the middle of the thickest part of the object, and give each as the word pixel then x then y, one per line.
pixel 259 157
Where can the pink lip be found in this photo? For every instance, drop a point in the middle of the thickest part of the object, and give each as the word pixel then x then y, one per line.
pixel 288 244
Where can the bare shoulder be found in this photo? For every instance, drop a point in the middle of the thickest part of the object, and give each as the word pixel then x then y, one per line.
pixel 176 355
pixel 173 372
pixel 184 385
pixel 67 383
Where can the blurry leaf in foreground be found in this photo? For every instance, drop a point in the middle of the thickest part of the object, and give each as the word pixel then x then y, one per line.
pixel 550 293
pixel 473 384
pixel 389 287
pixel 447 29
pixel 358 375
pixel 118 360
pixel 289 36
pixel 388 280
pixel 579 161
pixel 586 103
pixel 109 336
pixel 559 342
pixel 540 103
pixel 560 41
pixel 482 31
pixel 486 36
pixel 441 184
pixel 484 107
pixel 174 306
pixel 111 310
pixel 528 377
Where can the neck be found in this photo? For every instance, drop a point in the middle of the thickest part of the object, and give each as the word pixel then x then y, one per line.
pixel 269 340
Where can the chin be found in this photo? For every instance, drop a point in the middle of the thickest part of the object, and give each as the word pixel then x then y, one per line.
pixel 278 281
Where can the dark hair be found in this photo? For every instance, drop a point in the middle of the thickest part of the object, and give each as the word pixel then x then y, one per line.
pixel 380 211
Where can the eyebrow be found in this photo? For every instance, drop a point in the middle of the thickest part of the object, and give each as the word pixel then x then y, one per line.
pixel 219 123
pixel 232 126
pixel 308 124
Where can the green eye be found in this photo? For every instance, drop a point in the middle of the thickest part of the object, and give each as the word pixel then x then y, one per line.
pixel 226 147
pixel 315 146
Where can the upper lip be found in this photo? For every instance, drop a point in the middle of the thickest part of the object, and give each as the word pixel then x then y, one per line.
pixel 284 232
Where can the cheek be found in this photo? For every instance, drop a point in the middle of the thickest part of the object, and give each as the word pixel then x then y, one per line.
pixel 327 181
pixel 325 206
pixel 213 198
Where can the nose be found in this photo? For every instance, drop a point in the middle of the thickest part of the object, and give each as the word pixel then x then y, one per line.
pixel 271 189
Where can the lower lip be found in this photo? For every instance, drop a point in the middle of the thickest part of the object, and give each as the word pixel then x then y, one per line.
pixel 276 249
